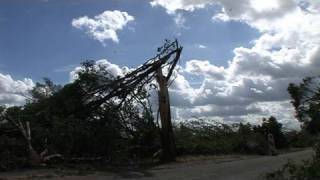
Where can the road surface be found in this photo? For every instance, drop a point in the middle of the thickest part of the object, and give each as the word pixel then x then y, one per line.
pixel 246 169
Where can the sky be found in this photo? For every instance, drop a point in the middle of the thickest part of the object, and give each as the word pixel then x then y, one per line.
pixel 237 61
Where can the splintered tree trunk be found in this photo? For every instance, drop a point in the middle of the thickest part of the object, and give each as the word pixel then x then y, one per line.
pixel 167 136
pixel 34 157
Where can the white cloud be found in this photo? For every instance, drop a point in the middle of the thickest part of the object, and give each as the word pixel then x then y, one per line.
pixel 254 83
pixel 173 5
pixel 201 46
pixel 104 26
pixel 12 91
pixel 221 17
pixel 104 64
pixel 199 67
pixel 287 50
pixel 180 20
pixel 253 9
pixel 222 95
pixel 222 111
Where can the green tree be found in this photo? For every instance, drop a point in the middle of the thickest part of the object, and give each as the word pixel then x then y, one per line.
pixel 272 126
pixel 57 120
pixel 306 101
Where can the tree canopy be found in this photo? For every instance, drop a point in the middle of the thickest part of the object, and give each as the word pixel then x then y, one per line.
pixel 306 101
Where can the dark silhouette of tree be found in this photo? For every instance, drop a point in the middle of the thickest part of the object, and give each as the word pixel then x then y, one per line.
pixel 272 126
pixel 26 120
pixel 102 88
pixel 15 116
pixel 56 121
pixel 306 101
pixel 96 116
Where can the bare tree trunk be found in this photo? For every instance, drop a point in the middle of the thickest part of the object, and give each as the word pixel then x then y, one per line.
pixel 167 136
pixel 34 157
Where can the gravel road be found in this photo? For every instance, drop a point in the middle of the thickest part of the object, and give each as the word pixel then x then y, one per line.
pixel 237 170
pixel 246 169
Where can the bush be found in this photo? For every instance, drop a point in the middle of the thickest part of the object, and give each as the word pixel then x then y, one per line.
pixel 203 137
pixel 12 153
pixel 300 139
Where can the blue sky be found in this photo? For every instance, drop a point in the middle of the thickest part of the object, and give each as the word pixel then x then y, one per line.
pixel 237 61
pixel 38 40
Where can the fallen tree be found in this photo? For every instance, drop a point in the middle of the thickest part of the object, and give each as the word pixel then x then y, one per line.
pixel 131 84
pixel 14 117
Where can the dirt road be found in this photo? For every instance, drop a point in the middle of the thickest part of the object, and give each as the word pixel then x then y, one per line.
pixel 242 169
pixel 251 168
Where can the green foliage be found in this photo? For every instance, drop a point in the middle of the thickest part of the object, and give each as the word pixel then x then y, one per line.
pixel 251 139
pixel 300 139
pixel 61 122
pixel 275 128
pixel 205 137
pixel 200 137
pixel 305 99
pixel 12 149
pixel 209 137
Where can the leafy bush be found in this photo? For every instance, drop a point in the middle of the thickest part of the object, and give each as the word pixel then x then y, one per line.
pixel 12 152
pixel 300 139
pixel 205 137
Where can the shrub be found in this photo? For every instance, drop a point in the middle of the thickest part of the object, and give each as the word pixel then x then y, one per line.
pixel 12 153
pixel 203 137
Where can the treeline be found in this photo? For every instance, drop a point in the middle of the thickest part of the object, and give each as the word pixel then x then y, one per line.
pixel 205 137
pixel 56 125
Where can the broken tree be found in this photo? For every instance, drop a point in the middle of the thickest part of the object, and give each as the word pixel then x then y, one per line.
pixel 167 137
pixel 134 82
pixel 14 116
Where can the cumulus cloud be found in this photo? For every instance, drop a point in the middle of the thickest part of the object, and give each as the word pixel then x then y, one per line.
pixel 12 91
pixel 286 51
pixel 221 111
pixel 254 9
pixel 254 83
pixel 180 20
pixel 114 69
pixel 223 97
pixel 173 5
pixel 104 26
pixel 199 67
